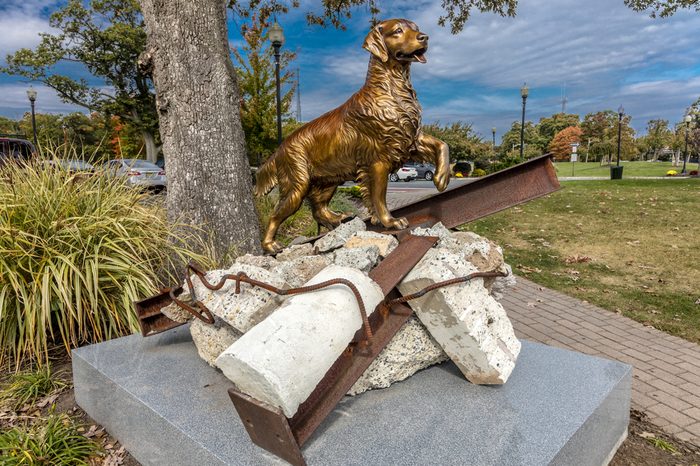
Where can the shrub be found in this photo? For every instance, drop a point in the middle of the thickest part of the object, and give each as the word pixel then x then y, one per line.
pixel 74 254
pixel 693 173
pixel 28 387
pixel 478 172
pixel 504 163
pixel 54 441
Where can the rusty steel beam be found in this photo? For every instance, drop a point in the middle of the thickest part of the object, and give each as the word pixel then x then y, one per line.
pixel 270 429
pixel 485 196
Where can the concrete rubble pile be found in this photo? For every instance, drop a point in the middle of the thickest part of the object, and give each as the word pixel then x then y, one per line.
pixel 278 349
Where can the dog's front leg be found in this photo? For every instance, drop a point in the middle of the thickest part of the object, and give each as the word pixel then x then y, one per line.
pixel 439 154
pixel 378 179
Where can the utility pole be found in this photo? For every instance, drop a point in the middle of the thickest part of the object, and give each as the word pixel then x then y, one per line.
pixel 564 100
pixel 298 97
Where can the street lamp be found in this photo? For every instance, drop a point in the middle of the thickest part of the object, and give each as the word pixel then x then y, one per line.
pixel 687 120
pixel 616 172
pixel 31 93
pixel 523 93
pixel 276 36
pixel 493 133
pixel 620 113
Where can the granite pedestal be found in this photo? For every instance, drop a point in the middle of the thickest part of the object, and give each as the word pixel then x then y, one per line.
pixel 168 407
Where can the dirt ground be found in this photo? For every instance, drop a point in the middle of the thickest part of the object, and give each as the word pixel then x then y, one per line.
pixel 646 444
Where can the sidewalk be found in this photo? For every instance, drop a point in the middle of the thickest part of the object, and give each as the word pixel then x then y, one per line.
pixel 666 376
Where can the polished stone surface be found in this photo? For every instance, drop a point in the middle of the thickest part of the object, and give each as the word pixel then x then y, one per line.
pixel 169 407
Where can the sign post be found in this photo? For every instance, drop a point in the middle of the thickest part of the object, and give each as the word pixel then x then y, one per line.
pixel 574 156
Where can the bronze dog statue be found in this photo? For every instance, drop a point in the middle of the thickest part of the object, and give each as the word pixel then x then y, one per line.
pixel 365 139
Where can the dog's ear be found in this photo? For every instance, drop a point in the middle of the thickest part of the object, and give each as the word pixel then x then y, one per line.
pixel 374 44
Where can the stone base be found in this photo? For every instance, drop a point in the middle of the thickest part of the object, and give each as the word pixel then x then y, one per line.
pixel 167 406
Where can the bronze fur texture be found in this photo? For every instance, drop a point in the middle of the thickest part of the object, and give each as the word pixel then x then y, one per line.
pixel 365 139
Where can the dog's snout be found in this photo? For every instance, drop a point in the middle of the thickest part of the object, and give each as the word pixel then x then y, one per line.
pixel 422 37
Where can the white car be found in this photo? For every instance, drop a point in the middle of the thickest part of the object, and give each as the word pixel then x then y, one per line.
pixel 138 172
pixel 404 173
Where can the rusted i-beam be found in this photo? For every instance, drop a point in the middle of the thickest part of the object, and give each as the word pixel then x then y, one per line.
pixel 485 196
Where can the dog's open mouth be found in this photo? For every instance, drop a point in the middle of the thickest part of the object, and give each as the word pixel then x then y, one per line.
pixel 417 55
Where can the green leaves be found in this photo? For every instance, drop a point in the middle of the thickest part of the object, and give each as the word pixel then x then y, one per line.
pixel 75 251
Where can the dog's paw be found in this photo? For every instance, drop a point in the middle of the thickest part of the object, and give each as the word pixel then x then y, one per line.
pixel 441 180
pixel 272 247
pixel 396 223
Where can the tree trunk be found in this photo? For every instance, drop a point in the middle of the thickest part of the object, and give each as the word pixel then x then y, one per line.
pixel 152 150
pixel 209 182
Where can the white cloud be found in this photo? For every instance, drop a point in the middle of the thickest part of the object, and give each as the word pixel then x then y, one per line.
pixel 14 102
pixel 21 22
pixel 597 48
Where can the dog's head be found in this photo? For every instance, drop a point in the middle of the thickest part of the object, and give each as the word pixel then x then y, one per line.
pixel 397 39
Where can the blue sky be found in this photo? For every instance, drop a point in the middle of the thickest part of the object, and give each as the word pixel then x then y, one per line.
pixel 603 53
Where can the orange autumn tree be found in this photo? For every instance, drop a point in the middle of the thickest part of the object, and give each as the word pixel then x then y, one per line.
pixel 560 147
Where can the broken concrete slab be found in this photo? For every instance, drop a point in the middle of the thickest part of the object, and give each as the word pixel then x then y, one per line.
pixel 299 270
pixel 337 237
pixel 467 322
pixel 212 339
pixel 364 258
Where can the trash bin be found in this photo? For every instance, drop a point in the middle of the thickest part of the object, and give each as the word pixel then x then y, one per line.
pixel 616 173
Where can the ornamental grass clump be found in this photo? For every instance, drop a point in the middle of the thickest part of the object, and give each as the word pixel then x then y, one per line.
pixel 75 252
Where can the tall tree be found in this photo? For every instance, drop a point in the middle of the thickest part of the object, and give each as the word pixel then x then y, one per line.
pixel 198 103
pixel 510 141
pixel 460 137
pixel 106 37
pixel 659 137
pixel 548 127
pixel 209 183
pixel 256 77
pixel 600 130
pixel 560 146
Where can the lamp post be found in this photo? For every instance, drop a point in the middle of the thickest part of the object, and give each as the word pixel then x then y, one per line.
pixel 31 93
pixel 493 134
pixel 620 113
pixel 616 171
pixel 523 93
pixel 687 120
pixel 276 36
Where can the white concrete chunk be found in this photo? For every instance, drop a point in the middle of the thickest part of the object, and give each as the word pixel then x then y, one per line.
pixel 361 239
pixel 337 238
pixel 469 324
pixel 282 359
pixel 295 251
pixel 359 258
pixel 301 269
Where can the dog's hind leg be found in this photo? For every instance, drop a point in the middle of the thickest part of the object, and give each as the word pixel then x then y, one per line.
pixel 319 197
pixel 290 201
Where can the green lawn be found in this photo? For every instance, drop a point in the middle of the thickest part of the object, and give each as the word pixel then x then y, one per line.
pixel 630 246
pixel 631 168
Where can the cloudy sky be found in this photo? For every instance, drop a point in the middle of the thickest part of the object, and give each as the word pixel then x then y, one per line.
pixel 602 53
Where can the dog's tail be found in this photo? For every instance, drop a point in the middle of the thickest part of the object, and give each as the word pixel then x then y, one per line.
pixel 266 177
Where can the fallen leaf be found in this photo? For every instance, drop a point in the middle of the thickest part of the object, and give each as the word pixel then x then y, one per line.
pixel 646 435
pixel 576 259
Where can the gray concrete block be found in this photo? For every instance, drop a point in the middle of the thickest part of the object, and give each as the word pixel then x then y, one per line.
pixel 167 406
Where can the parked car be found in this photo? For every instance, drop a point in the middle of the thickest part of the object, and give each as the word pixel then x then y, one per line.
pixel 72 165
pixel 404 173
pixel 138 173
pixel 425 170
pixel 14 148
